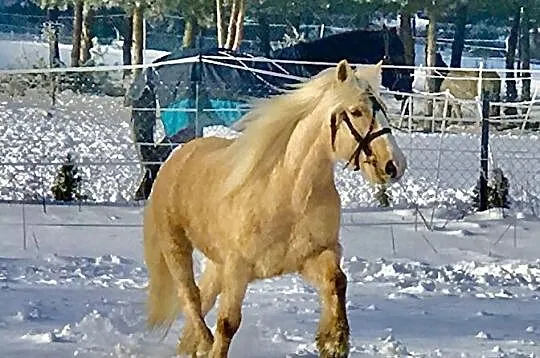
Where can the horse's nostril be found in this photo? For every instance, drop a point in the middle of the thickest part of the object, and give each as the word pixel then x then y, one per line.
pixel 390 169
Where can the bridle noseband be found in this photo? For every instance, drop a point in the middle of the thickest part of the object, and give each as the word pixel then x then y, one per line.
pixel 363 142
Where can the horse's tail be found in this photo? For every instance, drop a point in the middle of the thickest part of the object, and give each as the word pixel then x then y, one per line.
pixel 162 301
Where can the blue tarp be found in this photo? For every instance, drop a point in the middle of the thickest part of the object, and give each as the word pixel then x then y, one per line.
pixel 228 117
pixel 177 116
pixel 175 120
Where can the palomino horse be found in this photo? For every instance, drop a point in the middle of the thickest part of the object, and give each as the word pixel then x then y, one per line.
pixel 464 85
pixel 265 204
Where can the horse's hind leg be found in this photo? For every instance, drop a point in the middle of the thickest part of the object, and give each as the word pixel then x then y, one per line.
pixel 324 273
pixel 177 251
pixel 210 287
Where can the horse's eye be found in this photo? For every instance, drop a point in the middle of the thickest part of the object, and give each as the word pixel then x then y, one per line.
pixel 357 113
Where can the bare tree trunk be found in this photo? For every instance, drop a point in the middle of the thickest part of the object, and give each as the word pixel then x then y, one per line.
pixel 239 32
pixel 406 34
pixel 525 53
pixel 407 37
pixel 231 31
pixel 54 50
pixel 190 29
pixel 220 25
pixel 128 42
pixel 86 34
pixel 459 35
pixel 431 53
pixel 77 32
pixel 264 34
pixel 137 49
pixel 511 88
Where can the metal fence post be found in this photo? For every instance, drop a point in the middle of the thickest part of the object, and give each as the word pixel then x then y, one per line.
pixel 484 144
pixel 197 108
pixel 197 87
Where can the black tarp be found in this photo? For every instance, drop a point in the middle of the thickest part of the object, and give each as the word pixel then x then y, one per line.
pixel 190 95
pixel 203 88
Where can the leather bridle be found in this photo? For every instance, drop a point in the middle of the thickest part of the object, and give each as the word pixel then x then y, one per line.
pixel 363 141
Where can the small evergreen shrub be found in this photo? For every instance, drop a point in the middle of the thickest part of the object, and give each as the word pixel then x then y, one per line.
pixel 383 197
pixel 497 191
pixel 68 181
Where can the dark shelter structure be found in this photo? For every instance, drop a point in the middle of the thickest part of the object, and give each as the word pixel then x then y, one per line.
pixel 359 46
pixel 192 89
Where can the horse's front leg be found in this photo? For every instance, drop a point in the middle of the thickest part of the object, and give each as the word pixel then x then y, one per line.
pixel 324 273
pixel 235 277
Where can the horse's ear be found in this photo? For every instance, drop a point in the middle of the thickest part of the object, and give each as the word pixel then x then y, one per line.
pixel 371 74
pixel 343 71
pixel 378 68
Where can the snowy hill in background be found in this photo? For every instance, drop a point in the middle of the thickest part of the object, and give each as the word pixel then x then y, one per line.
pixel 26 54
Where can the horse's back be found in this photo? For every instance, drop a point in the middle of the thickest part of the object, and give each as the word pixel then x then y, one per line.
pixel 179 174
pixel 464 84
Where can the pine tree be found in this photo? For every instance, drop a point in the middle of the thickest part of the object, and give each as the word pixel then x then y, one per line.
pixel 497 191
pixel 67 182
pixel 383 196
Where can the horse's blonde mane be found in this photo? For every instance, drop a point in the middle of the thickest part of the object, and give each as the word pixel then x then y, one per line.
pixel 269 126
pixel 271 122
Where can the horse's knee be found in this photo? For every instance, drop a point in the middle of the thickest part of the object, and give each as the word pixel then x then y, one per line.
pixel 228 326
pixel 340 282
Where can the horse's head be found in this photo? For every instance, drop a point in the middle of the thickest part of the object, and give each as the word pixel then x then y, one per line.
pixel 359 128
pixel 395 79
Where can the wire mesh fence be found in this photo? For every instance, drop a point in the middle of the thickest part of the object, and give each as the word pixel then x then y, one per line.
pixel 47 114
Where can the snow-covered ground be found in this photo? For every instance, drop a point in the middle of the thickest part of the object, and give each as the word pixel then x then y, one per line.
pixel 455 292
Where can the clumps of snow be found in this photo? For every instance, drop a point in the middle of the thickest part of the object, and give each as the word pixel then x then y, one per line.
pixel 413 279
pixel 392 347
pixel 401 295
pixel 33 311
pixel 483 335
pixel 306 350
pixel 484 314
pixel 56 270
pixel 511 353
pixel 91 322
pixel 96 329
pixel 47 337
pixel 372 308
pixel 530 329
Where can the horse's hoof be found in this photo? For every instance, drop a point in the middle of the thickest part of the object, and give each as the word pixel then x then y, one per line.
pixel 334 344
pixel 334 351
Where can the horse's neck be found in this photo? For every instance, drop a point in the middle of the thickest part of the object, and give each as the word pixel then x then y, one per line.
pixel 308 153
